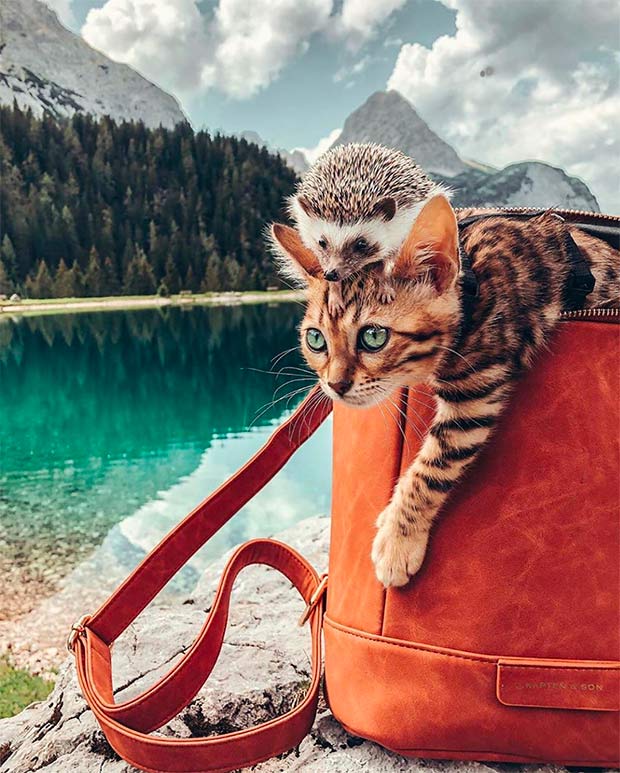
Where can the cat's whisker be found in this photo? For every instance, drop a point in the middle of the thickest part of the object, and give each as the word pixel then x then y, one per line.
pixel 317 401
pixel 397 420
pixel 408 422
pixel 388 398
pixel 276 358
pixel 294 289
pixel 283 371
pixel 264 408
pixel 292 381
pixel 458 354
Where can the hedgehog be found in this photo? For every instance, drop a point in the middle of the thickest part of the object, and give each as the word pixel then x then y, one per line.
pixel 355 206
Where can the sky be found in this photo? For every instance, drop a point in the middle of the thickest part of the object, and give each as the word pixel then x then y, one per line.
pixel 501 80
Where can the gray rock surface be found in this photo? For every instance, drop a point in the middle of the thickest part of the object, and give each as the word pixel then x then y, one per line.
pixel 264 669
pixel 389 119
pixel 48 68
pixel 528 184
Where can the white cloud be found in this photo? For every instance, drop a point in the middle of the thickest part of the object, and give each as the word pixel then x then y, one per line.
pixel 551 95
pixel 323 144
pixel 355 69
pixel 361 18
pixel 63 9
pixel 239 49
pixel 257 39
pixel 165 40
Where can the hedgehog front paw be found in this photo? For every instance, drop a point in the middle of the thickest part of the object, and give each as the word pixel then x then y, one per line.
pixel 335 304
pixel 387 293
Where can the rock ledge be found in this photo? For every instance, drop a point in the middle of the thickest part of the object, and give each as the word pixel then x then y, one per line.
pixel 264 669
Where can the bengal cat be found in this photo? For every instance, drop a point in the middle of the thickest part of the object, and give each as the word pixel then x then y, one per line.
pixel 362 356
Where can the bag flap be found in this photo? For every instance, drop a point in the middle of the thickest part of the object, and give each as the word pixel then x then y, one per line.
pixel 559 684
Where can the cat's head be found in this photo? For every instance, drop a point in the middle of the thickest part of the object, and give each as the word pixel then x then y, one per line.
pixel 362 355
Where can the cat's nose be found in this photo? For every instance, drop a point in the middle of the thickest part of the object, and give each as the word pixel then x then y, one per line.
pixel 332 276
pixel 340 387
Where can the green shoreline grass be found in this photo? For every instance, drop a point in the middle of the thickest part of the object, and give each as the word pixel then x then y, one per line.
pixel 19 689
pixel 30 306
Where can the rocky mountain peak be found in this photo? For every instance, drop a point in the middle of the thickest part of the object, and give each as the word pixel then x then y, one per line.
pixel 389 119
pixel 48 68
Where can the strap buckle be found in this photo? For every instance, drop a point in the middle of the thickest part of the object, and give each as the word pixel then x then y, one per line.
pixel 314 600
pixel 77 629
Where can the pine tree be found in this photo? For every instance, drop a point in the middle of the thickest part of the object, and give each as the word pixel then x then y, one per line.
pixel 63 286
pixel 190 280
pixel 163 290
pixel 40 285
pixel 68 282
pixel 8 257
pixel 139 277
pixel 183 194
pixel 71 244
pixel 171 276
pixel 212 281
pixel 232 271
pixel 109 279
pixel 93 278
pixel 6 286
pixel 156 252
pixel 76 279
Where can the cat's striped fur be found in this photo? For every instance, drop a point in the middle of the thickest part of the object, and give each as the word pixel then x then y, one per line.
pixel 522 268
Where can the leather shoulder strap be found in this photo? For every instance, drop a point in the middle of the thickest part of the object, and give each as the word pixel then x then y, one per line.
pixel 126 725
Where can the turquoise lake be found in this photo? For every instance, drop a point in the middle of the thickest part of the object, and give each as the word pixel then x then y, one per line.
pixel 114 425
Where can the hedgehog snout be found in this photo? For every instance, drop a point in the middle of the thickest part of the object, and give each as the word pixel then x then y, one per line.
pixel 332 275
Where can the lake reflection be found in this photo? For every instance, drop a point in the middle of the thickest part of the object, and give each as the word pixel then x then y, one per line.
pixel 114 425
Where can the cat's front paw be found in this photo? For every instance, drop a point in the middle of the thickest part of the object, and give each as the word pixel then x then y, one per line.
pixel 396 557
pixel 387 293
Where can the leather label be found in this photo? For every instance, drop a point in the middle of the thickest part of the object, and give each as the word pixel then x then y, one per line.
pixel 583 685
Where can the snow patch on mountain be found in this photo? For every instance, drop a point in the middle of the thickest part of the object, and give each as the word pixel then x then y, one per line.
pixel 48 68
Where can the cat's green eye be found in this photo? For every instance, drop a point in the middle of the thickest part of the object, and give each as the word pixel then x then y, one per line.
pixel 373 338
pixel 315 340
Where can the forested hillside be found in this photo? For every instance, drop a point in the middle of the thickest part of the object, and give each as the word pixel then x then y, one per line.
pixel 98 208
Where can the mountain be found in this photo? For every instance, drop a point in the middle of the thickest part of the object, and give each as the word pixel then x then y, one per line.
pixel 389 119
pixel 528 184
pixel 46 67
pixel 294 158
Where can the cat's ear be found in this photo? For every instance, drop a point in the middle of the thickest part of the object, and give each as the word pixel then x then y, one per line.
pixel 296 260
pixel 432 245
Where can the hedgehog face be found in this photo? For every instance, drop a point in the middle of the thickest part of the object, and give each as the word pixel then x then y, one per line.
pixel 356 204
pixel 363 354
pixel 344 248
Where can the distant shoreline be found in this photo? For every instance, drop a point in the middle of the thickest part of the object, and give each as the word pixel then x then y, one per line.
pixel 120 302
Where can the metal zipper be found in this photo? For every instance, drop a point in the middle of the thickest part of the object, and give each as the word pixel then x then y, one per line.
pixel 575 314
pixel 524 210
pixel 606 313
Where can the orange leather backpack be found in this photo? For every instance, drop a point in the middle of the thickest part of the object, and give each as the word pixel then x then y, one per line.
pixel 504 647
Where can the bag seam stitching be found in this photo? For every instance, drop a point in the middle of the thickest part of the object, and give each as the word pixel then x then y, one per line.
pixel 400 439
pixel 430 649
pixel 488 659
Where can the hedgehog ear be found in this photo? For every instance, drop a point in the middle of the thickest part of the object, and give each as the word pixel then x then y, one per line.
pixel 385 209
pixel 297 259
pixel 305 205
pixel 432 246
